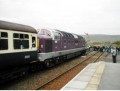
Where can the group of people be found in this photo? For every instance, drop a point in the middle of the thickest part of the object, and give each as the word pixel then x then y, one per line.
pixel 113 50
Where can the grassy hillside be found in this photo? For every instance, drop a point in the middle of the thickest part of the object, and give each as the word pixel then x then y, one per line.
pixel 102 38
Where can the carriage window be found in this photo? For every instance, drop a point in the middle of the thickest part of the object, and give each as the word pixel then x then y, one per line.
pixel 15 35
pixel 3 41
pixel 21 36
pixel 22 41
pixel 26 36
pixel 4 34
pixel 33 42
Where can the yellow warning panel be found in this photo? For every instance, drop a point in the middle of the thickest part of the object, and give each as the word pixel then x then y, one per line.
pixel 95 80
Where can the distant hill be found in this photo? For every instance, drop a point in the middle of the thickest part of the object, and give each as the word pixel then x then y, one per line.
pixel 102 38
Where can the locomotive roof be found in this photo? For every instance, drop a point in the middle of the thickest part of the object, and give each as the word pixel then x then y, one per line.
pixel 66 34
pixel 16 27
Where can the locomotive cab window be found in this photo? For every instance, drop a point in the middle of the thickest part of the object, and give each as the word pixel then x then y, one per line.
pixel 21 41
pixel 33 42
pixel 56 36
pixel 3 40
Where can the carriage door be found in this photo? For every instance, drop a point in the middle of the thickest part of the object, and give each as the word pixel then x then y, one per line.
pixel 34 42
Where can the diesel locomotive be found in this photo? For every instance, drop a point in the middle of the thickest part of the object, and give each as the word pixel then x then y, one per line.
pixel 23 48
pixel 56 46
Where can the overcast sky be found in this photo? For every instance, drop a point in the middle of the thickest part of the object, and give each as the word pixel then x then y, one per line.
pixel 75 16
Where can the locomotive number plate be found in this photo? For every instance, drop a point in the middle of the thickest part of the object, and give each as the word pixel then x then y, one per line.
pixel 27 56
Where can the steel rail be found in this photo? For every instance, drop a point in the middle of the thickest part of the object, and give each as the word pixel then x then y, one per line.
pixel 68 70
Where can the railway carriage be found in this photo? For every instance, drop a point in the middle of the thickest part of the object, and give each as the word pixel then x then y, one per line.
pixel 18 47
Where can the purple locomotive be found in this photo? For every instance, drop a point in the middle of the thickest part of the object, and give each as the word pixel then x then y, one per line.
pixel 55 46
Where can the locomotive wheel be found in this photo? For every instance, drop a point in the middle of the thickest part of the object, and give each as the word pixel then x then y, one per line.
pixel 47 63
pixel 57 60
pixel 84 53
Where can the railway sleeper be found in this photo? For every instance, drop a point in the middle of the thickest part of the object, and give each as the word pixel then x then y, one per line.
pixel 11 74
pixel 35 67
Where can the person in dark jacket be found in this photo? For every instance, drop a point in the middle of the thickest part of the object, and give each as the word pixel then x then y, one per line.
pixel 114 54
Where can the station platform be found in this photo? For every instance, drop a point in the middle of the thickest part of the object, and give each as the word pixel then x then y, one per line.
pixel 97 76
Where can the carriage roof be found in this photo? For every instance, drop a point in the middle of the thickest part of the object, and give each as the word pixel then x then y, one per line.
pixel 16 27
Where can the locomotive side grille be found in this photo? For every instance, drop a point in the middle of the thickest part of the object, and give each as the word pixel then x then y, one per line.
pixel 48 45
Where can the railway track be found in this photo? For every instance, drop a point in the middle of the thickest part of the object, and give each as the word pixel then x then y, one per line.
pixel 39 79
pixel 59 81
pixel 104 56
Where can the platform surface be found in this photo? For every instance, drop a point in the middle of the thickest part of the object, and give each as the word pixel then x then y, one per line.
pixel 97 76
pixel 111 77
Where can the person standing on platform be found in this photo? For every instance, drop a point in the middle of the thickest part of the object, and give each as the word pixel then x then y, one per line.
pixel 114 54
